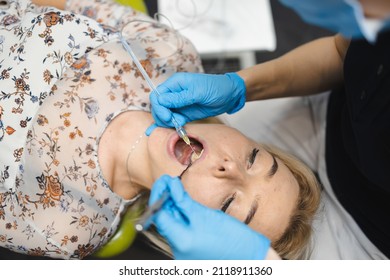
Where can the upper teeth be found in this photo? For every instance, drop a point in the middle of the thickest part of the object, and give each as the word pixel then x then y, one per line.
pixel 196 156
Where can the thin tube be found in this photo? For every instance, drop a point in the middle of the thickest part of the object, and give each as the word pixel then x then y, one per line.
pixel 179 129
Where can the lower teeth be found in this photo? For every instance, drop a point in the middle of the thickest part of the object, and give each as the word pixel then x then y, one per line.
pixel 195 156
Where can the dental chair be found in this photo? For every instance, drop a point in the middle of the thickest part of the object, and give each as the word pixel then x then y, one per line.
pixel 138 5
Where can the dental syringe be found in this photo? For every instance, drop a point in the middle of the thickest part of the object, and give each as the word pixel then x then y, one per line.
pixel 179 129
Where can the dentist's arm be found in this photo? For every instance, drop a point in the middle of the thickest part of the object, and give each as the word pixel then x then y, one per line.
pixel 195 232
pixel 311 68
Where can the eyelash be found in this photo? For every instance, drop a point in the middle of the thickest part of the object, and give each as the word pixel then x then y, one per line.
pixel 227 202
pixel 252 157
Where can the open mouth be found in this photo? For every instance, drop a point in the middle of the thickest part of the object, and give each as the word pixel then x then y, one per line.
pixel 183 152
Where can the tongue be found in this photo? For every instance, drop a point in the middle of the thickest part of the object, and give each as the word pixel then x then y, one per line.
pixel 183 152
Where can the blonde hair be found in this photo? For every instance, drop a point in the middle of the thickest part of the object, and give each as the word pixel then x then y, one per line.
pixel 294 243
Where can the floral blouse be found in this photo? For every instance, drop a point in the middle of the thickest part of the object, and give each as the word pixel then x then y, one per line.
pixel 64 76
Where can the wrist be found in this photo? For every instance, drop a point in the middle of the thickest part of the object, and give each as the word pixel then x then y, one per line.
pixel 239 92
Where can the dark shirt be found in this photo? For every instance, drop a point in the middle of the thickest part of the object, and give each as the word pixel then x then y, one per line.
pixel 358 139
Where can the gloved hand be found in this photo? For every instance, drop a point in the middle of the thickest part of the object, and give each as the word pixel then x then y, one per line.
pixel 196 232
pixel 190 97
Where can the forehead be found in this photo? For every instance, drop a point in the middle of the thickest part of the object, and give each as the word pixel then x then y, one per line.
pixel 277 202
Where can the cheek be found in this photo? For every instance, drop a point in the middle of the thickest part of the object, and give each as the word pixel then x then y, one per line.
pixel 202 190
pixel 161 167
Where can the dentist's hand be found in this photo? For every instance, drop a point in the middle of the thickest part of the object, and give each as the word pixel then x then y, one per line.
pixel 192 97
pixel 196 232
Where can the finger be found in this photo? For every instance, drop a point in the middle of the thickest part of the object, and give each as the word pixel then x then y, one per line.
pixel 180 119
pixel 162 89
pixel 180 197
pixel 174 83
pixel 163 113
pixel 179 99
pixel 170 224
pixel 153 97
pixel 159 187
pixel 180 203
pixel 150 129
pixel 196 112
pixel 160 122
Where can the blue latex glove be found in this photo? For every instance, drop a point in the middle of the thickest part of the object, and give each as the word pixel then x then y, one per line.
pixel 197 96
pixel 196 232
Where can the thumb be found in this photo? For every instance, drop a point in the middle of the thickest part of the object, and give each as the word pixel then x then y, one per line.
pixel 176 82
pixel 163 113
pixel 170 221
pixel 160 186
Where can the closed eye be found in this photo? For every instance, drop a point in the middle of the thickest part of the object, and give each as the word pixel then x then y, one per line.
pixel 227 202
pixel 252 157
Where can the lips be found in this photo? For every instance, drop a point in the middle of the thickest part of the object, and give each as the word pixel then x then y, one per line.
pixel 183 152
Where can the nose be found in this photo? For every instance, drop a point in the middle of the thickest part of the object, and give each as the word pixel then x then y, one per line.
pixel 228 168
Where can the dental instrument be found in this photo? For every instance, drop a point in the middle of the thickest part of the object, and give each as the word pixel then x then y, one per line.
pixel 144 221
pixel 179 129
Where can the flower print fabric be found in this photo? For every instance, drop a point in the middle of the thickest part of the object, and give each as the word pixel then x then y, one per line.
pixel 64 76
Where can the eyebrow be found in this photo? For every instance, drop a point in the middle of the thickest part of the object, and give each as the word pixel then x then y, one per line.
pixel 255 203
pixel 252 211
pixel 274 168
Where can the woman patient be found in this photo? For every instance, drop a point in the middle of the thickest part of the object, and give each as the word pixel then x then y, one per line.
pixel 73 113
